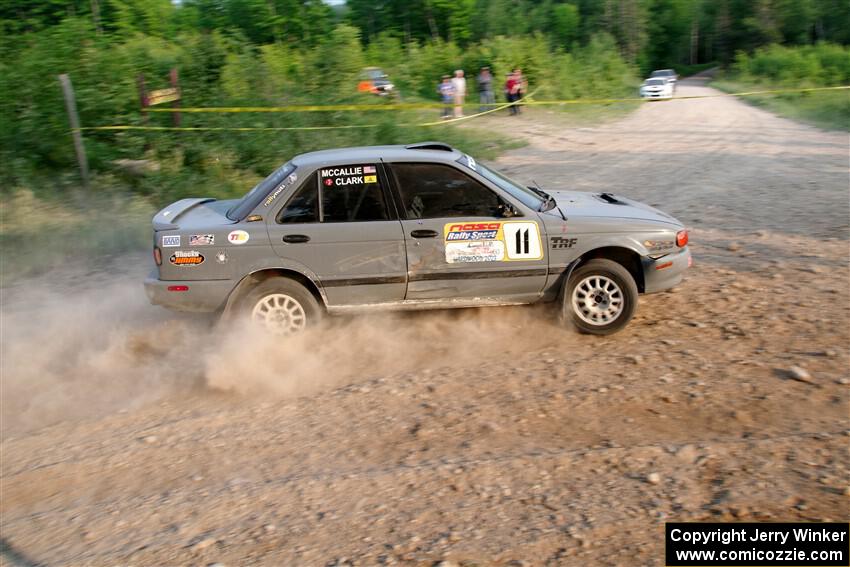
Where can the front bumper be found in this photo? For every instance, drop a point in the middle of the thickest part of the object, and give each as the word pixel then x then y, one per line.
pixel 201 296
pixel 665 272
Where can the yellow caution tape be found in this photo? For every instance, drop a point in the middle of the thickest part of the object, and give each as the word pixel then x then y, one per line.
pixel 434 105
pixel 527 101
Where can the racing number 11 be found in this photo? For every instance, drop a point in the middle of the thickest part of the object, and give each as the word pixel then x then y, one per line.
pixel 522 241
pixel 522 244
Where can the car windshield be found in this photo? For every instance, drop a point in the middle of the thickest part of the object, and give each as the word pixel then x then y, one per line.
pixel 536 200
pixel 655 81
pixel 253 197
pixel 664 73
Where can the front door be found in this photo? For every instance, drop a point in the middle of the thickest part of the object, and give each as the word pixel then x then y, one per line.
pixel 461 243
pixel 341 226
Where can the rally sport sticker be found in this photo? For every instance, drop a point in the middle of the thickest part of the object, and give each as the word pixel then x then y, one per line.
pixel 498 241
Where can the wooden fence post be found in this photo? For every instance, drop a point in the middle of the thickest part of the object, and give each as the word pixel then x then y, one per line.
pixel 74 119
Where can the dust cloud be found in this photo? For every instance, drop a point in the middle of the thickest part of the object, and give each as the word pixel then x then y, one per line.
pixel 76 348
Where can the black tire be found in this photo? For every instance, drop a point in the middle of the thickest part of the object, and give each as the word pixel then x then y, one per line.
pixel 598 318
pixel 287 303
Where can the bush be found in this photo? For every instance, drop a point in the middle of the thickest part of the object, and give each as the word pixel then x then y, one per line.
pixel 823 64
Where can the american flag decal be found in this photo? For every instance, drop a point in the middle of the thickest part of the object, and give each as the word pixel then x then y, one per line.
pixel 201 239
pixel 368 169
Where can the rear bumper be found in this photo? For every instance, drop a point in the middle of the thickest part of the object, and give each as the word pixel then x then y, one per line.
pixel 201 296
pixel 665 272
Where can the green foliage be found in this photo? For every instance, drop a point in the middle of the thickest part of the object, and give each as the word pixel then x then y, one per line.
pixel 280 52
pixel 775 67
pixel 823 64
pixel 565 23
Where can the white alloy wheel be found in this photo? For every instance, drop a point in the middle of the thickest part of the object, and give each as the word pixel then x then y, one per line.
pixel 279 313
pixel 597 300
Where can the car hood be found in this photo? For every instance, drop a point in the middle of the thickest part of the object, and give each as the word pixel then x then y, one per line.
pixel 606 205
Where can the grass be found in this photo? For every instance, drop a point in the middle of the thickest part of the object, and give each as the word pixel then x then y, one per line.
pixel 48 221
pixel 829 110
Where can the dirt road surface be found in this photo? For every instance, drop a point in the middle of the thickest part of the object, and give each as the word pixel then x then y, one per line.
pixel 491 437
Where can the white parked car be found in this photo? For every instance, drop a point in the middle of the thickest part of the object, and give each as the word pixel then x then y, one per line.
pixel 668 74
pixel 656 88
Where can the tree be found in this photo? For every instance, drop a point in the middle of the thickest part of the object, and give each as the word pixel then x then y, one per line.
pixel 566 23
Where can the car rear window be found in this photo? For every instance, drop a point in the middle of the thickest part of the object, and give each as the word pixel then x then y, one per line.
pixel 256 195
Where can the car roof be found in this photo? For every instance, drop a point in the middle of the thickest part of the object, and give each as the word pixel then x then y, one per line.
pixel 423 151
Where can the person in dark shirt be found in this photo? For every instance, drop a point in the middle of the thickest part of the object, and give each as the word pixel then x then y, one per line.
pixel 485 89
pixel 447 92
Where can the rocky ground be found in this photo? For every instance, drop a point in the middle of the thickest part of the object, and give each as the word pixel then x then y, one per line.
pixel 491 437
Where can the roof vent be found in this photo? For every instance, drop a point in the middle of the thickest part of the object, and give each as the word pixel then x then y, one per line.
pixel 438 146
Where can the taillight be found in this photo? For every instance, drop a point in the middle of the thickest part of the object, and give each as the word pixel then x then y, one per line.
pixel 682 238
pixel 157 256
pixel 178 288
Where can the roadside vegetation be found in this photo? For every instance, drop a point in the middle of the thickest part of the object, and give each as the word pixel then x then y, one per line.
pixel 296 52
pixel 779 67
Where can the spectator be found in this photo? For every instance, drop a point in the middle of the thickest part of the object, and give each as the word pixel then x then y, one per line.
pixel 446 91
pixel 485 89
pixel 521 88
pixel 511 90
pixel 459 86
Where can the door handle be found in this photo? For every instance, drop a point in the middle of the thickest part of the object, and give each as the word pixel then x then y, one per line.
pixel 296 238
pixel 424 234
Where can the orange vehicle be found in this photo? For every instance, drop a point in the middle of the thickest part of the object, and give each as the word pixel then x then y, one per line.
pixel 373 80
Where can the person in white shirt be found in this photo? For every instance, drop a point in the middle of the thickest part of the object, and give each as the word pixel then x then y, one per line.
pixel 459 84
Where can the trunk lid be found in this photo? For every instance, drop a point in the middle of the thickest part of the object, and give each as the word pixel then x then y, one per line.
pixel 192 214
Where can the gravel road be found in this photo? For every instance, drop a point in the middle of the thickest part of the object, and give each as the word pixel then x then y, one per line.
pixel 489 437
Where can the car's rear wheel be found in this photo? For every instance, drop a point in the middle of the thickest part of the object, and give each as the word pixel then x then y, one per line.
pixel 600 297
pixel 282 306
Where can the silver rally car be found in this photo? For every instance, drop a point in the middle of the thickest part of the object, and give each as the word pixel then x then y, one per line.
pixel 422 226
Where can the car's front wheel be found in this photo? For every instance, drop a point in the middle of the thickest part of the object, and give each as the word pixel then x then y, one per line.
pixel 282 306
pixel 600 297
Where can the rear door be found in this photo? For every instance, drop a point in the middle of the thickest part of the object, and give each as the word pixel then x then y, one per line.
pixel 340 225
pixel 460 242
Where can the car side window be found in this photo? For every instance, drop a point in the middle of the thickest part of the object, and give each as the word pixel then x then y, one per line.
pixel 352 193
pixel 432 190
pixel 303 206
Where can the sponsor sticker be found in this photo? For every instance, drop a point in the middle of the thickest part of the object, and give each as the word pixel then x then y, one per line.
pixel 186 258
pixel 471 163
pixel 201 239
pixel 238 237
pixel 473 231
pixel 221 257
pixel 171 241
pixel 484 251
pixel 370 179
pixel 287 182
pixel 496 241
pixel 559 242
